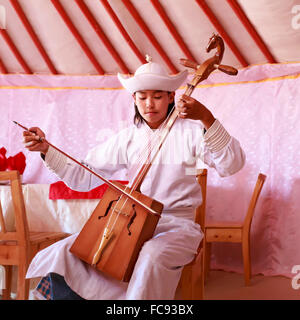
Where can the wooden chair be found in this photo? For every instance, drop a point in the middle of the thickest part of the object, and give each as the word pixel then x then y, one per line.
pixel 17 248
pixel 218 231
pixel 192 277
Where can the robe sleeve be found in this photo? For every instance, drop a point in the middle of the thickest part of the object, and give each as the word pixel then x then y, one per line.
pixel 108 160
pixel 221 151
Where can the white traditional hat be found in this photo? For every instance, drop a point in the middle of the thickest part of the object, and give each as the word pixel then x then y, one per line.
pixel 152 76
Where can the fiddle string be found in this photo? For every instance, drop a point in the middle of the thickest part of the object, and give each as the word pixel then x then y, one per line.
pixel 148 151
pixel 121 198
pixel 155 143
pixel 141 159
pixel 156 140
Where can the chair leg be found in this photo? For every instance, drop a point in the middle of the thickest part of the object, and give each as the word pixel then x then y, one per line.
pixel 192 284
pixel 198 278
pixel 23 283
pixel 246 260
pixel 186 283
pixel 8 280
pixel 207 255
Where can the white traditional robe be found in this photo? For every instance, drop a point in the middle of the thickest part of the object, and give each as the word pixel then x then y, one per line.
pixel 170 180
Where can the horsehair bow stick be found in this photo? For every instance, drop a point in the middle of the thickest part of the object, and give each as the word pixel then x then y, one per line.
pixel 42 139
pixel 202 71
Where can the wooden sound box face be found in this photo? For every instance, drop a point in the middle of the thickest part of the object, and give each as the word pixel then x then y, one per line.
pixel 114 234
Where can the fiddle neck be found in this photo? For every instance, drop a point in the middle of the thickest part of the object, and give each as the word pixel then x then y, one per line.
pixel 164 131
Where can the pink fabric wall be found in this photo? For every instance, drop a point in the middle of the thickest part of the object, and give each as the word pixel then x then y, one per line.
pixel 260 107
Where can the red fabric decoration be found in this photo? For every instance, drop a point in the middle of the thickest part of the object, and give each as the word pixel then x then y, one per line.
pixel 59 190
pixel 17 162
pixel 3 160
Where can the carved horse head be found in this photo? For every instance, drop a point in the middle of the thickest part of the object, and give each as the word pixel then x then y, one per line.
pixel 216 42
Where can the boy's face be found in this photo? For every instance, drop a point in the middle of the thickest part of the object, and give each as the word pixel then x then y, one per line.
pixel 153 105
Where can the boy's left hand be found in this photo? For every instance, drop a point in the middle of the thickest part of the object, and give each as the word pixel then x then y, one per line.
pixel 190 108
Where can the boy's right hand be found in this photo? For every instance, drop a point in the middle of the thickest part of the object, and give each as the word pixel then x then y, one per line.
pixel 34 140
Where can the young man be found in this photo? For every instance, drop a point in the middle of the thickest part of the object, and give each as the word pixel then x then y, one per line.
pixel 170 180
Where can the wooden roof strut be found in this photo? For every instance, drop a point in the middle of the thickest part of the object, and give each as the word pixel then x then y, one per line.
pixel 77 35
pixel 122 30
pixel 15 51
pixel 160 10
pixel 95 25
pixel 2 67
pixel 251 30
pixel 213 19
pixel 33 35
pixel 130 7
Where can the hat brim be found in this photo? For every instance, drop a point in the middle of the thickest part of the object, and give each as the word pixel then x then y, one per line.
pixel 151 81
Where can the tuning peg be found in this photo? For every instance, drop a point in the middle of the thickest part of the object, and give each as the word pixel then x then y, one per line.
pixel 227 69
pixel 189 63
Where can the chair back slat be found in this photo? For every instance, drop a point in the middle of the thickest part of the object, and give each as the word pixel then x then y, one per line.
pixel 255 195
pixel 2 222
pixel 200 211
pixel 18 247
pixel 22 232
